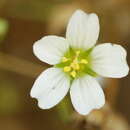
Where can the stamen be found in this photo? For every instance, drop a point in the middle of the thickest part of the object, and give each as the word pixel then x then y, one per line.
pixel 84 61
pixel 64 59
pixel 73 74
pixel 74 64
pixel 67 68
pixel 77 67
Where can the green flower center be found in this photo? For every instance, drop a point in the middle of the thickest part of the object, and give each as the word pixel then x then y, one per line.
pixel 76 63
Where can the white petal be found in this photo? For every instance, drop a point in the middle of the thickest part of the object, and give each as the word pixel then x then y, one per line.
pixel 110 60
pixel 50 49
pixel 50 87
pixel 83 30
pixel 86 95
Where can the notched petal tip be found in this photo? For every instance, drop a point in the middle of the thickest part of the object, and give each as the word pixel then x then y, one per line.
pixel 86 95
pixel 92 109
pixel 50 88
pixel 109 60
pixel 79 12
pixel 123 55
pixel 83 30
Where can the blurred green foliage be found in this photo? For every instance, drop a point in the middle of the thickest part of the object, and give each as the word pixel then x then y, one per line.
pixel 9 98
pixel 4 25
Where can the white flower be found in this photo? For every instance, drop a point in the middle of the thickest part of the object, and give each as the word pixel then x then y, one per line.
pixel 77 62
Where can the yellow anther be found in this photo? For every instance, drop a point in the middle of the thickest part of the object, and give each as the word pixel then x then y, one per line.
pixel 67 68
pixel 76 67
pixel 72 64
pixel 73 74
pixel 64 59
pixel 84 61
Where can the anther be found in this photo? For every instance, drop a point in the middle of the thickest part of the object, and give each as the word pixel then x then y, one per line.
pixel 76 67
pixel 72 64
pixel 67 68
pixel 73 74
pixel 84 61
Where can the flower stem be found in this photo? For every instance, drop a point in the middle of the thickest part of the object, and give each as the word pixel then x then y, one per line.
pixel 64 110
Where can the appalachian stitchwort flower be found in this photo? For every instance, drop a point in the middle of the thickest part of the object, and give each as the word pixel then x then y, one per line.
pixel 77 62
